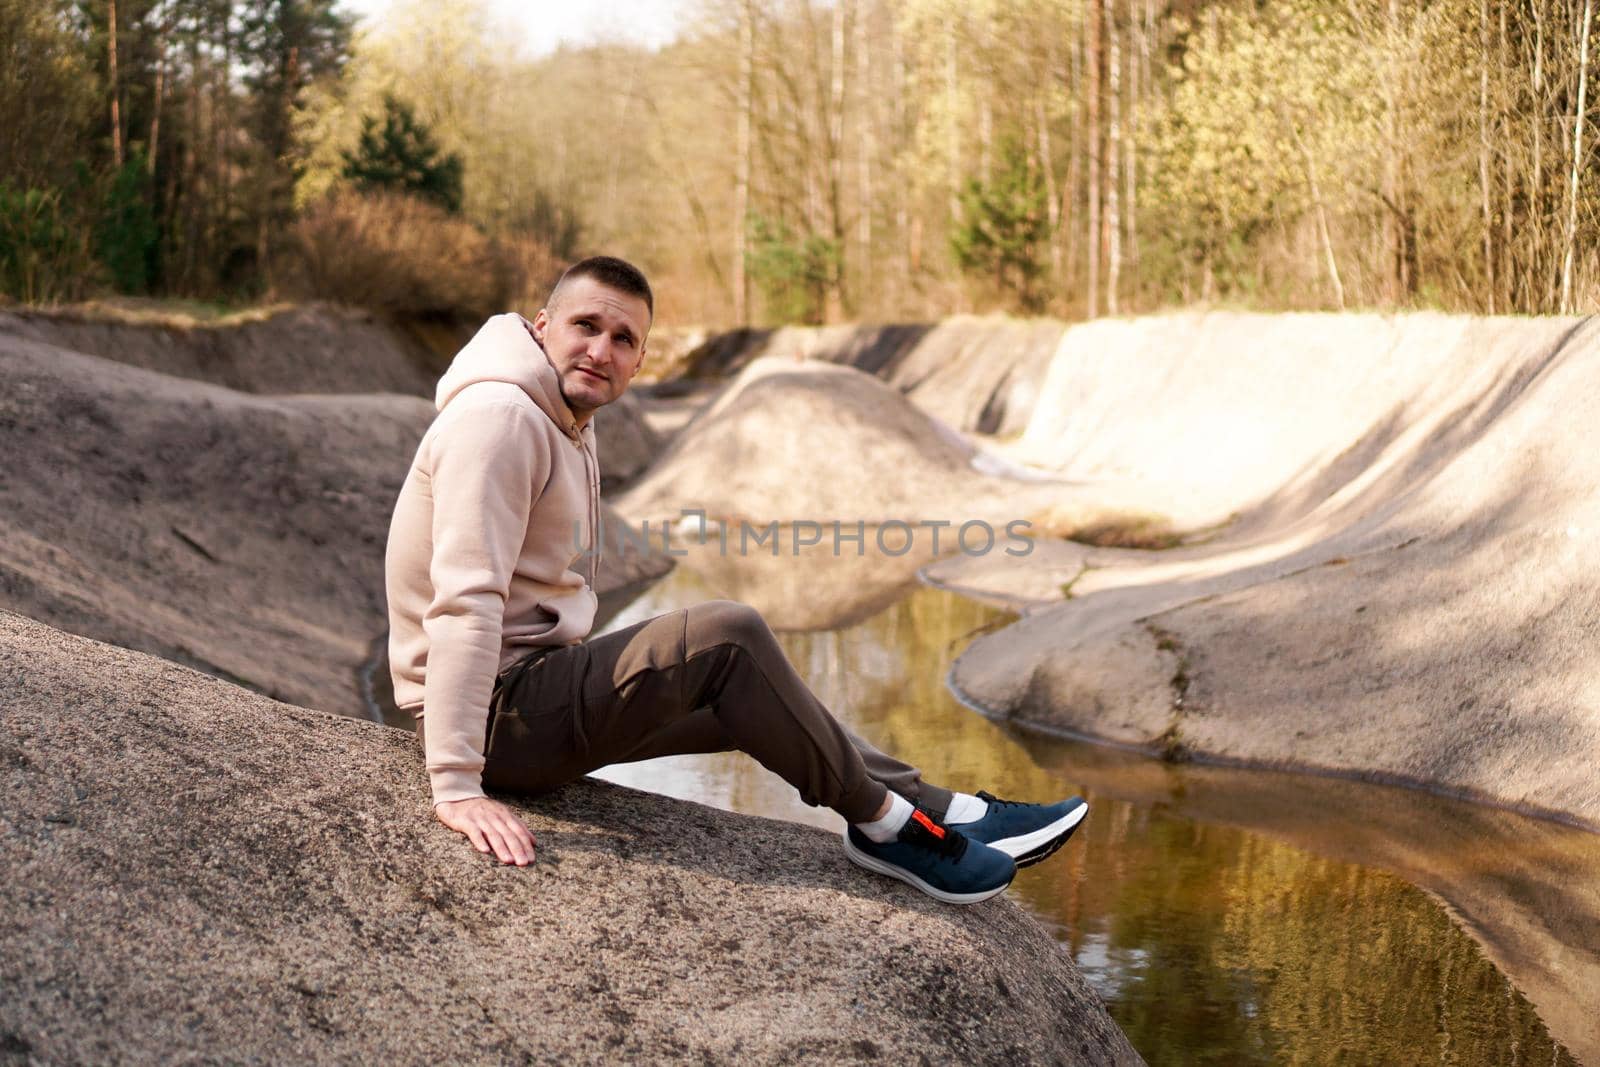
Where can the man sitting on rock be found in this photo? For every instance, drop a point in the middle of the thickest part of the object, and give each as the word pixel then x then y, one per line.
pixel 489 614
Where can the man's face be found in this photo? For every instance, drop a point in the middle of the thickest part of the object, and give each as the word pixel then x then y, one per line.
pixel 594 335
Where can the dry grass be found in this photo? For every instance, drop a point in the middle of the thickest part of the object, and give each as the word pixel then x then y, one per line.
pixel 1137 532
pixel 406 258
pixel 164 313
pixel 1130 530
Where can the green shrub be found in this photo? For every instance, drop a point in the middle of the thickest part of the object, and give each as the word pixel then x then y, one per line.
pixel 400 155
pixel 1003 233
pixel 793 272
pixel 125 236
pixel 44 248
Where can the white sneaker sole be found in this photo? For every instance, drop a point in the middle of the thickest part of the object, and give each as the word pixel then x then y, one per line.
pixel 871 863
pixel 1031 848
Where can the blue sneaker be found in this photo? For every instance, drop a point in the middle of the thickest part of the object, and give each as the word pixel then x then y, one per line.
pixel 936 859
pixel 1026 832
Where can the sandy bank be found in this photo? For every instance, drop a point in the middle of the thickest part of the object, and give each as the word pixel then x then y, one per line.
pixel 160 904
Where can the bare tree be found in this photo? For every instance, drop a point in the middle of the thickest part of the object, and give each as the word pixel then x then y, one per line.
pixel 866 134
pixel 1578 118
pixel 114 85
pixel 1483 152
pixel 1091 46
pixel 741 184
pixel 1113 154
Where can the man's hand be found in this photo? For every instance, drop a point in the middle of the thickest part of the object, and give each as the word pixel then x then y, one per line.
pixel 490 826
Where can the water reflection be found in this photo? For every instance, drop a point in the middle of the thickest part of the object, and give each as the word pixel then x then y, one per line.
pixel 1211 942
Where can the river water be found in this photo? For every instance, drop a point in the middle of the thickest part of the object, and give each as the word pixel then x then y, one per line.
pixel 1226 916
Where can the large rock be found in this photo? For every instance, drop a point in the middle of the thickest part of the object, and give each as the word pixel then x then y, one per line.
pixel 194 872
pixel 1205 417
pixel 1406 594
pixel 790 442
pixel 240 534
pixel 310 349
pixel 974 373
pixel 627 443
pixel 314 348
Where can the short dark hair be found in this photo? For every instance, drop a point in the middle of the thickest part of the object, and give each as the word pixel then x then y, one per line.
pixel 617 273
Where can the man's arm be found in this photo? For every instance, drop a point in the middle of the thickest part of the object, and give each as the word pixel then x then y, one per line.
pixel 487 459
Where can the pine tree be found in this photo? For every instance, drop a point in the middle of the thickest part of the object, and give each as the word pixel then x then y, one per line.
pixel 398 152
pixel 1004 227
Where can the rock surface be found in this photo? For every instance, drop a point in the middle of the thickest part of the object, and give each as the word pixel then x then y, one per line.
pixel 1385 527
pixel 305 349
pixel 627 443
pixel 788 442
pixel 318 349
pixel 1405 594
pixel 237 533
pixel 974 373
pixel 196 872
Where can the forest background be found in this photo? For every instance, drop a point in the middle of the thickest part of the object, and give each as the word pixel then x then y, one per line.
pixel 800 161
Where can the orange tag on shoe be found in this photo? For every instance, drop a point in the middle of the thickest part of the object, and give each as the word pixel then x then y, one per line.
pixel 928 824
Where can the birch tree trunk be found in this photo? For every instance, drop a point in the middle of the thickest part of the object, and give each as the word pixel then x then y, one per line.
pixel 1139 60
pixel 1536 195
pixel 1113 155
pixel 1320 206
pixel 1092 97
pixel 116 90
pixel 902 187
pixel 1507 266
pixel 838 305
pixel 1483 151
pixel 1052 207
pixel 865 135
pixel 952 95
pixel 158 96
pixel 1393 224
pixel 1067 234
pixel 1577 159
pixel 741 180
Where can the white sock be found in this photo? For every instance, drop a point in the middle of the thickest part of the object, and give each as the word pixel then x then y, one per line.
pixel 887 828
pixel 965 808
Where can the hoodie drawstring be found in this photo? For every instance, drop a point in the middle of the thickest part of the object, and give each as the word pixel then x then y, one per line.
pixel 597 535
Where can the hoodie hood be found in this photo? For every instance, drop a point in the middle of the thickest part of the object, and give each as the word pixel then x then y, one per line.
pixel 503 350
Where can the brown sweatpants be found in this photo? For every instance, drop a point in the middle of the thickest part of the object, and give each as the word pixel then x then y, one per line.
pixel 710 678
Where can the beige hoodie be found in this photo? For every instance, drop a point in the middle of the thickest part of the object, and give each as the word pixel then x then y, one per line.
pixel 501 501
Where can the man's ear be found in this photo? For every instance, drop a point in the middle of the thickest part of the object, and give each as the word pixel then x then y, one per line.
pixel 541 323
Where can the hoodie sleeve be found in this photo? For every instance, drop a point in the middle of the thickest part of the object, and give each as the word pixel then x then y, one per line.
pixel 486 462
